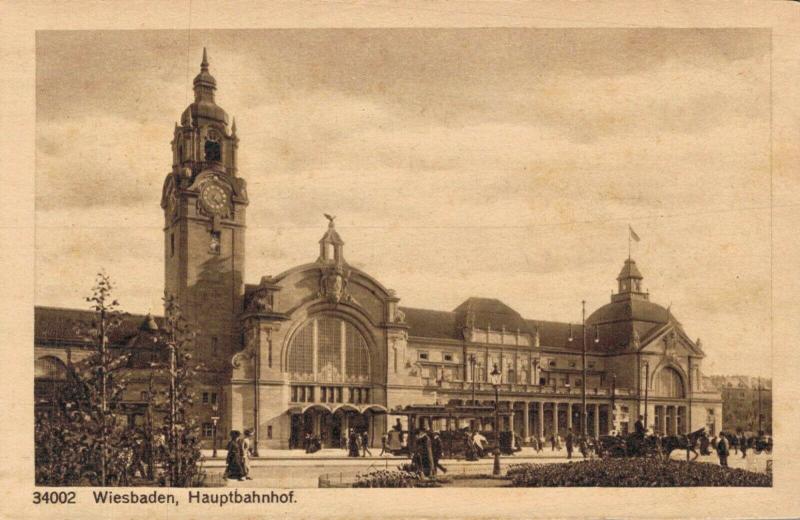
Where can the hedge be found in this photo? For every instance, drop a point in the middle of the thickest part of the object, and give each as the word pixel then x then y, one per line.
pixel 634 472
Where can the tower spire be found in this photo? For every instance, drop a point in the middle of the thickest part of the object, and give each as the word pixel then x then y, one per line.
pixel 204 63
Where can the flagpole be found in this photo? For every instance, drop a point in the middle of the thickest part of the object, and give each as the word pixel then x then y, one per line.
pixel 629 241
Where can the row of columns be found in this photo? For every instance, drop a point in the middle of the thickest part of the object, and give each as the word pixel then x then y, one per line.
pixel 669 419
pixel 530 428
pixel 592 410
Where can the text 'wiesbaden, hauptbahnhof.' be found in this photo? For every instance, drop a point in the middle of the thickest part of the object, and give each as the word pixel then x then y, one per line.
pixel 325 347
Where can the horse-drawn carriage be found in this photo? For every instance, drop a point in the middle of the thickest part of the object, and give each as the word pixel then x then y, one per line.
pixel 637 445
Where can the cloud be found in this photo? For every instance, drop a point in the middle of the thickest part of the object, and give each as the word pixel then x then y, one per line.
pixel 499 162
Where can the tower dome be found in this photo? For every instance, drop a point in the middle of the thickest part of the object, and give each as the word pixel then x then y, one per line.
pixel 204 110
pixel 630 315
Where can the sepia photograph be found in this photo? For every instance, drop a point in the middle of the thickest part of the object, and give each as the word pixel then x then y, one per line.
pixel 403 257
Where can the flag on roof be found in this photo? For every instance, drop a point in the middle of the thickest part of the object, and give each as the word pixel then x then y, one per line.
pixel 633 234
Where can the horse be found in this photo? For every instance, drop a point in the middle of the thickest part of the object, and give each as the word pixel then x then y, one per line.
pixel 688 442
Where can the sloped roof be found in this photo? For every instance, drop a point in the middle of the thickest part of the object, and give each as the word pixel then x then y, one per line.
pixel 491 313
pixel 427 323
pixel 58 324
pixel 629 270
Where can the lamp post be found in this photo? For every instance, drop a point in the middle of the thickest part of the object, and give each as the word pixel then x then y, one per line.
pixel 495 379
pixel 583 371
pixel 646 388
pixel 214 420
pixel 760 415
pixel 613 401
pixel 472 362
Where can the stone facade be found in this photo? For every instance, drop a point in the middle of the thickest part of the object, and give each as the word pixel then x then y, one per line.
pixel 324 346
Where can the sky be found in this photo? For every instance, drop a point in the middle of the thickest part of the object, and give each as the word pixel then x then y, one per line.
pixel 504 163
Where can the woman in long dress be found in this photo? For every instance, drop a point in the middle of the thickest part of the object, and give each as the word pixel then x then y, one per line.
pixel 234 468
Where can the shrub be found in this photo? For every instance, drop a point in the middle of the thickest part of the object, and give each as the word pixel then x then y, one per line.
pixel 633 473
pixel 387 479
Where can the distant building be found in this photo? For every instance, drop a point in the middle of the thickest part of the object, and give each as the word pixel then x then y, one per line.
pixel 324 346
pixel 743 399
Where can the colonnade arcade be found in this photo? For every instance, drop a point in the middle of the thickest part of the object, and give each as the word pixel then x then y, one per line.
pixel 541 419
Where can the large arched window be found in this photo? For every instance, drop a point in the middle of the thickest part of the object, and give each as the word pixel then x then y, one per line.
pixel 50 368
pixel 669 383
pixel 330 350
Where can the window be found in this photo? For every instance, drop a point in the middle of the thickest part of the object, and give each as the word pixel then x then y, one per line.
pixel 50 368
pixel 448 357
pixel 172 244
pixel 572 364
pixel 332 339
pixel 269 432
pixel 552 363
pixel 215 246
pixel 213 149
pixel 668 383
pixel 205 397
pixel 144 395
pixel 213 398
pixel 214 342
pixel 542 381
pixel 208 430
pixel 423 355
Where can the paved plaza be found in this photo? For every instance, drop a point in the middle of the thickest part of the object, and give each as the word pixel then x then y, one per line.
pixel 297 469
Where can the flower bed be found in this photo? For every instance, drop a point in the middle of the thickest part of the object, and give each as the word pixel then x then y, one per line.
pixel 403 477
pixel 633 473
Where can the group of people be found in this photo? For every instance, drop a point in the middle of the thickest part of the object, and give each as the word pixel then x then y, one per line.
pixel 237 463
pixel 357 443
pixel 428 453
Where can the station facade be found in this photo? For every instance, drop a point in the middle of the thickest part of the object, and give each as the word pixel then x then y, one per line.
pixel 325 347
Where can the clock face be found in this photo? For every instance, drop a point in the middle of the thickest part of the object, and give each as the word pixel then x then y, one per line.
pixel 214 198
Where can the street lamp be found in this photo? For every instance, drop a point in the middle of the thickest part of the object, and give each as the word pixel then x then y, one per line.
pixel 646 387
pixel 214 419
pixel 494 377
pixel 472 362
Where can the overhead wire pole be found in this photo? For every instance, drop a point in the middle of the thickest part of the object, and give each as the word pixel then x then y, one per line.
pixel 583 363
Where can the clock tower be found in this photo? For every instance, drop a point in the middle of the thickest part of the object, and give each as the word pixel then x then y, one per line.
pixel 204 202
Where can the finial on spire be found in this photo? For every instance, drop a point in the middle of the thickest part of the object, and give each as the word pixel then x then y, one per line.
pixel 204 63
pixel 330 220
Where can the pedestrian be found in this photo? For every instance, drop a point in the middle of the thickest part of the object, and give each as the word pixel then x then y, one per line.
pixel 570 441
pixel 384 442
pixel 743 444
pixel 723 450
pixel 246 443
pixel 233 461
pixel 353 441
pixel 139 454
pixel 424 451
pixel 584 447
pixel 365 444
pixel 437 449
pixel 553 442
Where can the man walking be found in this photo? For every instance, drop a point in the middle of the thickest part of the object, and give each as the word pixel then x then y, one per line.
pixel 723 450
pixel 570 441
pixel 437 451
pixel 365 444
pixel 743 444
